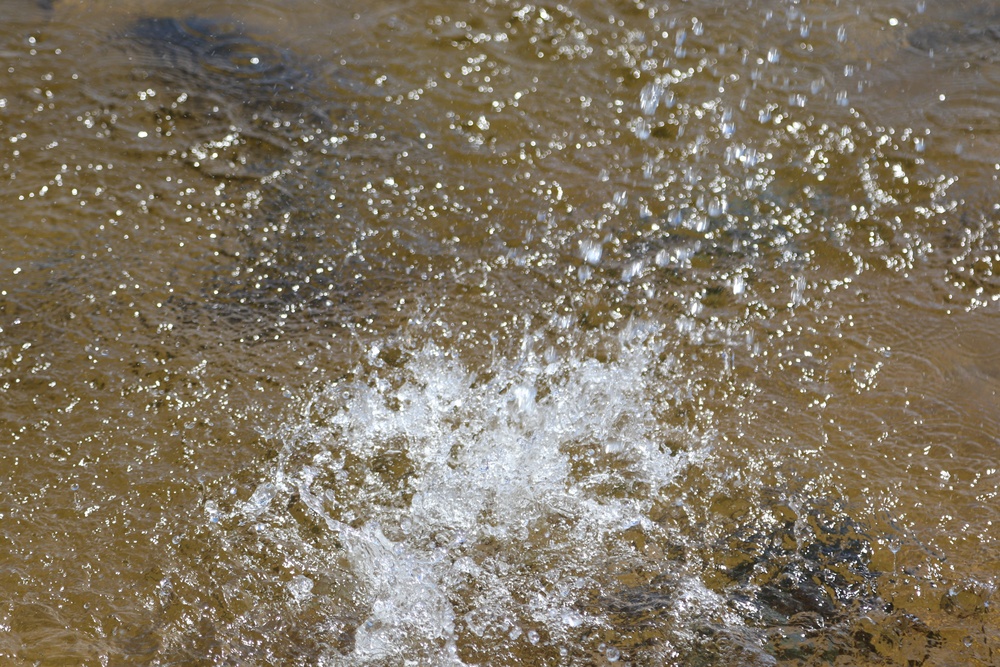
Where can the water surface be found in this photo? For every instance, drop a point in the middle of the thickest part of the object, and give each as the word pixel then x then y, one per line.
pixel 499 333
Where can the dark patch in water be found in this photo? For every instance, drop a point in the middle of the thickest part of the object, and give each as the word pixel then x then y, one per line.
pixel 801 579
pixel 983 41
pixel 965 33
pixel 244 110
pixel 222 53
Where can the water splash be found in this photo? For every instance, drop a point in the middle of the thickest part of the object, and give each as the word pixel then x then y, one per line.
pixel 535 459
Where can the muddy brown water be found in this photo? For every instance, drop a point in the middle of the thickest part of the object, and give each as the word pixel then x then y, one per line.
pixel 499 333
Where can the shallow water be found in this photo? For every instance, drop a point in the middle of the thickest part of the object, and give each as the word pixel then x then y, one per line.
pixel 499 333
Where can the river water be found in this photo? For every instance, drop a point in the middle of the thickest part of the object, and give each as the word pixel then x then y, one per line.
pixel 485 332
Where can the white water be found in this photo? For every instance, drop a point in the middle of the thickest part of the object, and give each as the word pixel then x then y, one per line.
pixel 520 483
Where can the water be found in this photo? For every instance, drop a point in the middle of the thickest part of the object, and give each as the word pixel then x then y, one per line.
pixel 499 333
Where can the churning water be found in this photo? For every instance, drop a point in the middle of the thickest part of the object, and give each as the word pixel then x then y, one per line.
pixel 499 333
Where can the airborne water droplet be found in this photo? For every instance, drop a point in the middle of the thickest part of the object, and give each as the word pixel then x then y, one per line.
pixel 591 251
pixel 650 96
pixel 300 587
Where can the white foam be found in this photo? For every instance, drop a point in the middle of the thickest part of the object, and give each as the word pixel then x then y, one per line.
pixel 524 459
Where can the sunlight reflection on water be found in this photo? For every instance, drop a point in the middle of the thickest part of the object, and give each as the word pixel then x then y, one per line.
pixel 499 333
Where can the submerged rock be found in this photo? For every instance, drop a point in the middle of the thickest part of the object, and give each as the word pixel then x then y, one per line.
pixel 290 147
pixel 801 583
pixel 222 54
pixel 962 32
pixel 973 41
